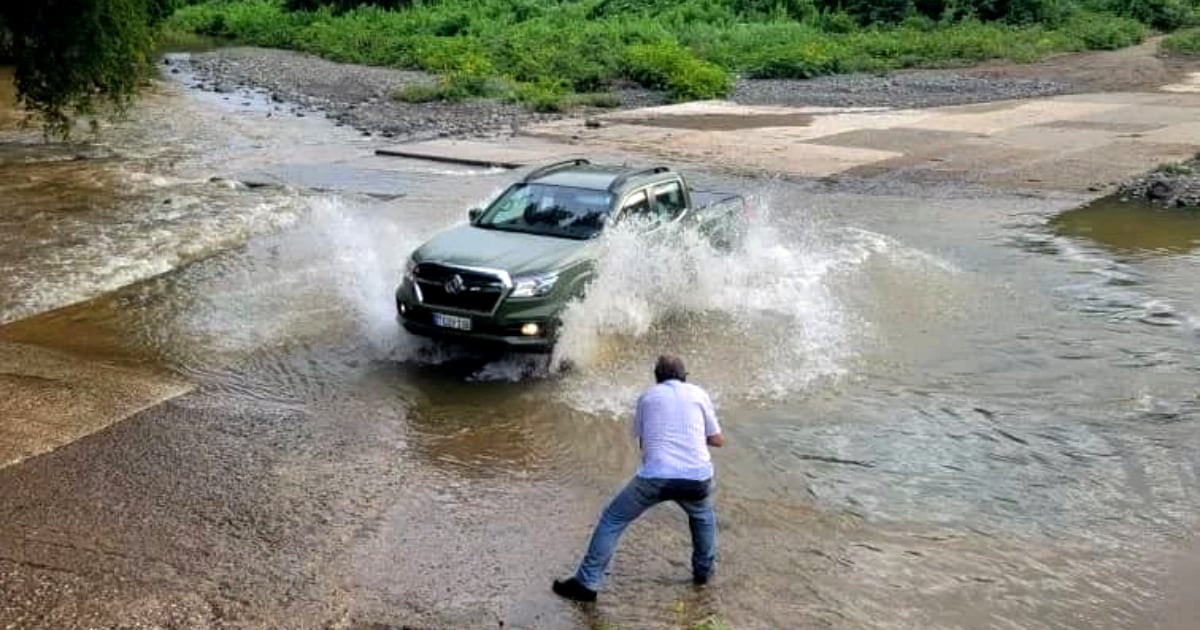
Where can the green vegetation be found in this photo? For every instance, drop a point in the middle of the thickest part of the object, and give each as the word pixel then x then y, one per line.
pixel 76 55
pixel 542 51
pixel 1178 168
pixel 1186 42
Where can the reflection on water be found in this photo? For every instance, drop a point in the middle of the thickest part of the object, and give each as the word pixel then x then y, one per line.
pixel 1133 228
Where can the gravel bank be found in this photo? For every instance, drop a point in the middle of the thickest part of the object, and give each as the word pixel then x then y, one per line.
pixel 360 96
pixel 899 89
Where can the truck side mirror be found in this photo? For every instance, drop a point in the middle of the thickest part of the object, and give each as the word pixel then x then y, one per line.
pixel 473 215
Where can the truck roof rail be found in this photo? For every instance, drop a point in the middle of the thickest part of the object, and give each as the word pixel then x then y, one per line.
pixel 550 168
pixel 624 177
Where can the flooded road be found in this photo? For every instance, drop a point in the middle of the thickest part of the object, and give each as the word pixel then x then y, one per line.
pixel 951 409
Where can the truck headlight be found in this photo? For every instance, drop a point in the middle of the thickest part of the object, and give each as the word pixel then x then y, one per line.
pixel 533 285
pixel 409 266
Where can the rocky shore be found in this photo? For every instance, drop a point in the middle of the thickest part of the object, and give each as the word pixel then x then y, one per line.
pixel 362 96
pixel 1176 185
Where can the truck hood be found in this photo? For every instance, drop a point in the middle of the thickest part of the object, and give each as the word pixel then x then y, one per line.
pixel 514 252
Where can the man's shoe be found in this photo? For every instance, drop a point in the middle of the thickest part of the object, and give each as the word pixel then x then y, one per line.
pixel 700 579
pixel 574 589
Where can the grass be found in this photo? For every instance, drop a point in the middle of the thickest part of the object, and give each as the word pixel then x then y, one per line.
pixel 542 52
pixel 1185 42
pixel 1176 169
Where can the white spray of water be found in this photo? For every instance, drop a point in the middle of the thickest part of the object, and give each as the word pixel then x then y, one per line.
pixel 763 321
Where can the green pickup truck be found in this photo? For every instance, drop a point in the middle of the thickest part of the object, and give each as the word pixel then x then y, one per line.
pixel 503 278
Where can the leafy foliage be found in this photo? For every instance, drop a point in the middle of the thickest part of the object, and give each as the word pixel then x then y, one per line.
pixel 72 56
pixel 675 69
pixel 1186 42
pixel 691 48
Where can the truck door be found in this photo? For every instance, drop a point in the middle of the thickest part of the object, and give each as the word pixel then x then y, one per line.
pixel 669 202
pixel 635 207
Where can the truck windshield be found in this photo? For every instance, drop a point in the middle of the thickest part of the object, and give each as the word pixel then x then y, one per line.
pixel 549 210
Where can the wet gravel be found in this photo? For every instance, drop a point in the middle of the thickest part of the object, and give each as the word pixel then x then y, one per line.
pixel 361 96
pixel 900 89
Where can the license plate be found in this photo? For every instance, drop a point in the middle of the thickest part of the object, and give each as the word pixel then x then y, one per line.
pixel 451 321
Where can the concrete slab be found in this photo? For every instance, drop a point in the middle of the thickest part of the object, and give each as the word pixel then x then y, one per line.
pixel 1099 167
pixel 703 108
pixel 1146 114
pixel 1054 140
pixel 1188 133
pixel 1178 99
pixel 896 140
pixel 1116 98
pixel 502 154
pixel 1189 85
pixel 1061 143
pixel 1122 129
pixel 1026 113
pixel 50 398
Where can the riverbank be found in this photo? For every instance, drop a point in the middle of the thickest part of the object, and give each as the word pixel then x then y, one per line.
pixel 362 97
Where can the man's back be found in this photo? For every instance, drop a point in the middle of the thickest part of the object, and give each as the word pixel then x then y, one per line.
pixel 673 423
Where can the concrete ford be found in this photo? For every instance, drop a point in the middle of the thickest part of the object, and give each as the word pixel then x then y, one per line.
pixel 504 277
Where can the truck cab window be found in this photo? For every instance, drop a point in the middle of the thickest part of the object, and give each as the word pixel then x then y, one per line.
pixel 668 200
pixel 636 207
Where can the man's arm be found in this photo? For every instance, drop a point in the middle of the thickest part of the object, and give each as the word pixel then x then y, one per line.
pixel 712 427
pixel 635 427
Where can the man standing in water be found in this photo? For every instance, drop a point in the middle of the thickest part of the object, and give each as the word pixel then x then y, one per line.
pixel 674 424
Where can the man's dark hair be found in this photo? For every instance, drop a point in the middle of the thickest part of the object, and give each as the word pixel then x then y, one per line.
pixel 669 367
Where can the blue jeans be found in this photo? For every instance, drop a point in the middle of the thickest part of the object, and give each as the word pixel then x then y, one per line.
pixel 639 495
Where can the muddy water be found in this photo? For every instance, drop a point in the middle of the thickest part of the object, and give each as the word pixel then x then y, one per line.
pixel 944 411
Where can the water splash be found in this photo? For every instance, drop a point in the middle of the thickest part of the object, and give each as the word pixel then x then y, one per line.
pixel 765 320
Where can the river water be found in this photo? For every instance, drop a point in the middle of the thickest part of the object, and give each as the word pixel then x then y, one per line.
pixel 946 409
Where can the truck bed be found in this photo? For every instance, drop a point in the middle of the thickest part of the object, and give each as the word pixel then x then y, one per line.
pixel 703 199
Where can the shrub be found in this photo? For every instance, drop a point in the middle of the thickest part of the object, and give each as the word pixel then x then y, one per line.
pixel 1160 14
pixel 453 87
pixel 342 5
pixel 604 100
pixel 546 95
pixel 418 93
pixel 671 67
pixel 1186 42
pixel 1098 32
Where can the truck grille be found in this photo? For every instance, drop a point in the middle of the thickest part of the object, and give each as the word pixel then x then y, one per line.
pixel 471 291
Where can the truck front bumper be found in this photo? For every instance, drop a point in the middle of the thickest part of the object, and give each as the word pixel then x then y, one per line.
pixel 494 331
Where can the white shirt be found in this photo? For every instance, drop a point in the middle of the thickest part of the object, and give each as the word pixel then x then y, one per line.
pixel 672 424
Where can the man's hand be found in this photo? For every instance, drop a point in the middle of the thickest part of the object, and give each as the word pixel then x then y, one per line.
pixel 717 440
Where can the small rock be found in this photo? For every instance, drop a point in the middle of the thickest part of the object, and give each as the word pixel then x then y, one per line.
pixel 592 123
pixel 175 70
